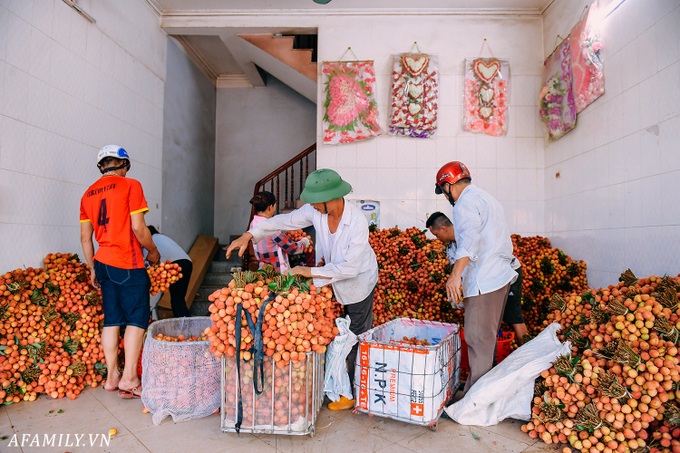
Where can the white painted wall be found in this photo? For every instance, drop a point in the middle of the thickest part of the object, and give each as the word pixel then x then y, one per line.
pixel 68 87
pixel 400 171
pixel 258 129
pixel 616 203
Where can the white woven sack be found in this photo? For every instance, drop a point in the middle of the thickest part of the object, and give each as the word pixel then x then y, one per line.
pixel 180 379
pixel 507 390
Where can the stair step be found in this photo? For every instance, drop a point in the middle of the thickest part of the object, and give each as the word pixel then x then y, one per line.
pixel 220 280
pixel 200 308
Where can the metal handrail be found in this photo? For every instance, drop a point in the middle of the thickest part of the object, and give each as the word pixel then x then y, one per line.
pixel 292 186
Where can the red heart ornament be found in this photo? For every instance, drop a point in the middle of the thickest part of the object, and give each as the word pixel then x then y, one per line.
pixel 485 112
pixel 486 69
pixel 415 64
pixel 347 102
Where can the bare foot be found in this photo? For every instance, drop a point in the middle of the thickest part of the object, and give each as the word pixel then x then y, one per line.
pixel 125 387
pixel 111 384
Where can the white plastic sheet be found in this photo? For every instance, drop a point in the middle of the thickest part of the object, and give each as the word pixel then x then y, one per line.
pixel 507 390
pixel 336 380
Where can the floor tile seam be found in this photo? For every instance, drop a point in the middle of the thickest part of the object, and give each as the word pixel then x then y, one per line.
pixel 529 441
pixel 12 427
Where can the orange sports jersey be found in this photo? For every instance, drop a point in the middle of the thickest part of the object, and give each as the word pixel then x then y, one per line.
pixel 109 204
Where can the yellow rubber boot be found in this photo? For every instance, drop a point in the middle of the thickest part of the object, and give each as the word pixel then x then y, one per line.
pixel 341 405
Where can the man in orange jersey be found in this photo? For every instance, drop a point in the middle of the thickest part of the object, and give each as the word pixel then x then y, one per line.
pixel 113 209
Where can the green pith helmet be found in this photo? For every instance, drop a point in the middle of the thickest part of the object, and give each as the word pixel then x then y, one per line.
pixel 324 185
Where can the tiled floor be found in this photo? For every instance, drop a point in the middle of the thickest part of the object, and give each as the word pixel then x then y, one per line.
pixel 95 411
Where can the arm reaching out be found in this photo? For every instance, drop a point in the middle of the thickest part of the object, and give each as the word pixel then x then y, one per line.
pixel 241 244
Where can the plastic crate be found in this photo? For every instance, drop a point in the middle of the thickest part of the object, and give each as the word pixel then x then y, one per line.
pixel 503 349
pixel 289 403
pixel 405 382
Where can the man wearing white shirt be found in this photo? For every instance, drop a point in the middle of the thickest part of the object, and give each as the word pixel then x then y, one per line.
pixel 342 240
pixel 482 266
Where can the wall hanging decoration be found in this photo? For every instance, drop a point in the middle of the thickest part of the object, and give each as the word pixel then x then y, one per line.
pixel 415 93
pixel 486 95
pixel 350 110
pixel 586 62
pixel 556 100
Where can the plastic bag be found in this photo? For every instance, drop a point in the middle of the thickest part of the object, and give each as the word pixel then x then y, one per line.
pixel 350 108
pixel 180 379
pixel 336 379
pixel 415 95
pixel 486 96
pixel 507 390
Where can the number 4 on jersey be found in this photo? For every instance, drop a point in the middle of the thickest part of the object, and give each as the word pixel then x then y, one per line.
pixel 103 218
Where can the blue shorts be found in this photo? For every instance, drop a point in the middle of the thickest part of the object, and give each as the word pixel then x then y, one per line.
pixel 125 294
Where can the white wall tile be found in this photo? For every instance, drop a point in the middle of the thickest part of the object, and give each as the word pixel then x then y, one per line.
pixel 446 150
pixel 426 152
pixel 366 154
pixel 669 91
pixel 61 23
pixel 506 153
pixel 466 150
pixel 4 25
pixel 486 151
pixel 526 185
pixel 649 101
pixel 407 183
pixel 669 138
pixel 406 153
pixel 386 152
pixel 346 154
pixel 667 39
pixel 505 185
pixel 366 183
pixel 78 36
pixel 42 16
pixel 386 183
pixel 18 42
pixel 13 144
pixel 11 200
pixel 526 152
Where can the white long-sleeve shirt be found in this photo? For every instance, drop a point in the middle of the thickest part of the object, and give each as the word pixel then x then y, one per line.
pixel 483 236
pixel 351 266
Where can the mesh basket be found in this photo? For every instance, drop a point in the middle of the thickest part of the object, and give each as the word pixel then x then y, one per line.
pixel 406 382
pixel 180 379
pixel 289 404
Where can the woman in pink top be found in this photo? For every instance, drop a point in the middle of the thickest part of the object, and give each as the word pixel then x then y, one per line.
pixel 273 249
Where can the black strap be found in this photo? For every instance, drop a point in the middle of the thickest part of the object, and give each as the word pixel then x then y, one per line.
pixel 257 351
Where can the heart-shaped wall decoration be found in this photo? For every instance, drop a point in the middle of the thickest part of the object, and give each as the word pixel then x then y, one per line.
pixel 486 69
pixel 415 64
pixel 347 100
pixel 414 108
pixel 485 112
pixel 486 94
pixel 415 90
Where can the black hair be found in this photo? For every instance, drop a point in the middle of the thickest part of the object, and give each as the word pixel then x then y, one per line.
pixel 262 200
pixel 153 230
pixel 438 220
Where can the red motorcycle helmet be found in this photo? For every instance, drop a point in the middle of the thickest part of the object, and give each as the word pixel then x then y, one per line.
pixel 451 172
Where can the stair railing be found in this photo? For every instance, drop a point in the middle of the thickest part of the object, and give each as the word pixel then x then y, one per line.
pixel 286 183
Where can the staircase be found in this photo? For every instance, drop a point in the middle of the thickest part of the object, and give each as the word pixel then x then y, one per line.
pixel 283 48
pixel 218 277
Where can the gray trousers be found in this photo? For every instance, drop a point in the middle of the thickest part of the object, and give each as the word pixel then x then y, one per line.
pixel 483 316
pixel 361 320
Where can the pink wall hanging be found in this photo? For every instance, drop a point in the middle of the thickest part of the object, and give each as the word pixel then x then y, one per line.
pixel 350 110
pixel 415 94
pixel 556 100
pixel 486 96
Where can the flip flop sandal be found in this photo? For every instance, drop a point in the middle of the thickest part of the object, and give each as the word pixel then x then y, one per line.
pixel 132 394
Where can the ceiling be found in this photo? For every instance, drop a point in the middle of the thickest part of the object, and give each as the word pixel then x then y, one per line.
pixel 222 6
pixel 229 61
